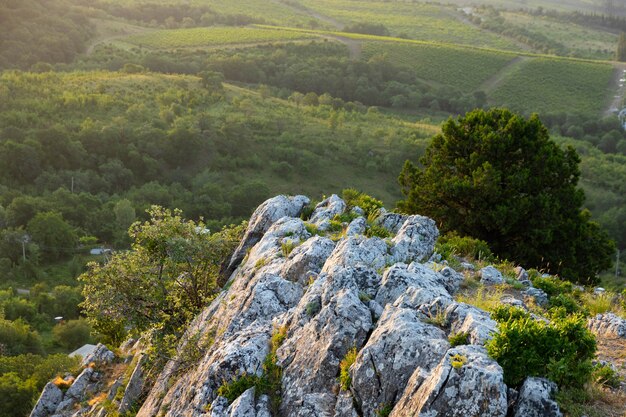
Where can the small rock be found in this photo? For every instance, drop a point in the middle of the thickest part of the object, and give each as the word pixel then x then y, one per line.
pixel 101 355
pixel 521 274
pixel 467 266
pixel 599 291
pixel 537 296
pixel 489 275
pixel 356 227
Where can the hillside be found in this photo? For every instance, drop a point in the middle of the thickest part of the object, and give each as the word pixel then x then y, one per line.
pixel 320 318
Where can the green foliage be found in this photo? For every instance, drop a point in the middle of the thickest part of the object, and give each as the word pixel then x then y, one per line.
pixel 566 302
pixel 53 234
pixel 23 377
pixel 553 286
pixel 451 244
pixel 233 389
pixel 498 177
pixel 384 410
pixel 606 375
pixel 211 36
pixel 287 247
pixel 313 308
pixel 171 273
pixel 560 350
pixel 345 380
pixel 458 339
pixel 72 334
pixel 17 337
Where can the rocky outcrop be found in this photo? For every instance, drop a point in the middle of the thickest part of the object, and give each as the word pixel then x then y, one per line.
pixel 331 294
pixel 608 325
pixel 100 356
pixel 452 388
pixel 48 402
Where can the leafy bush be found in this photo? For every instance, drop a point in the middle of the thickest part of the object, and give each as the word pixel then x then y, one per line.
pixel 605 375
pixel 72 334
pixel 233 389
pixel 560 350
pixel 566 302
pixel 344 369
pixel 552 285
pixel 355 198
pixel 457 361
pixel 467 247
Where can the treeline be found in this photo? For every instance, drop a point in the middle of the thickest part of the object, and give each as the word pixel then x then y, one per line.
pixel 33 31
pixel 318 67
pixel 79 166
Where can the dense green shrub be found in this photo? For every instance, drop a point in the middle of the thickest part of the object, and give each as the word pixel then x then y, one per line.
pixel 560 350
pixel 552 285
pixel 458 339
pixel 344 369
pixel 354 198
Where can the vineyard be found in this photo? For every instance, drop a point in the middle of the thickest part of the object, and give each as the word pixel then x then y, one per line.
pixel 465 69
pixel 557 85
pixel 265 11
pixel 214 36
pixel 429 22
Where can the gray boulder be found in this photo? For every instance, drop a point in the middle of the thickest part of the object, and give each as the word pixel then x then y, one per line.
pixel 489 275
pixel 465 318
pixel 535 399
pixel 356 227
pixel 327 209
pixel 467 382
pixel 411 286
pixel 415 241
pixel 391 221
pixel 306 259
pixel 100 356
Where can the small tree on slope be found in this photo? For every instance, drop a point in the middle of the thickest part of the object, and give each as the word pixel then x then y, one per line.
pixel 498 177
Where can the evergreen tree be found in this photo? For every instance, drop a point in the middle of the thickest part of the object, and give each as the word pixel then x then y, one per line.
pixel 498 177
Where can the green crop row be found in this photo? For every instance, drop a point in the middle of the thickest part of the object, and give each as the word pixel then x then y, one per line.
pixel 465 69
pixel 197 37
pixel 551 85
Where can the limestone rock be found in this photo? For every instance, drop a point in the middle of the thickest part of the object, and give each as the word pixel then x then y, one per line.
pixel 415 241
pixel 263 217
pixel 490 276
pixel 356 227
pixel 328 209
pixel 391 221
pixel 48 401
pixel 521 274
pixel 306 259
pixel 345 406
pixel 465 318
pixel 411 286
pixel 451 390
pixel 399 345
pixel 535 399
pixel 101 355
pixel 135 386
pixel 607 325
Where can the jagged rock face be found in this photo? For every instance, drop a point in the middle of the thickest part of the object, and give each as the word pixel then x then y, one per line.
pixel 535 399
pixel 466 383
pixel 400 344
pixel 48 402
pixel 607 325
pixel 371 294
pixel 100 356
